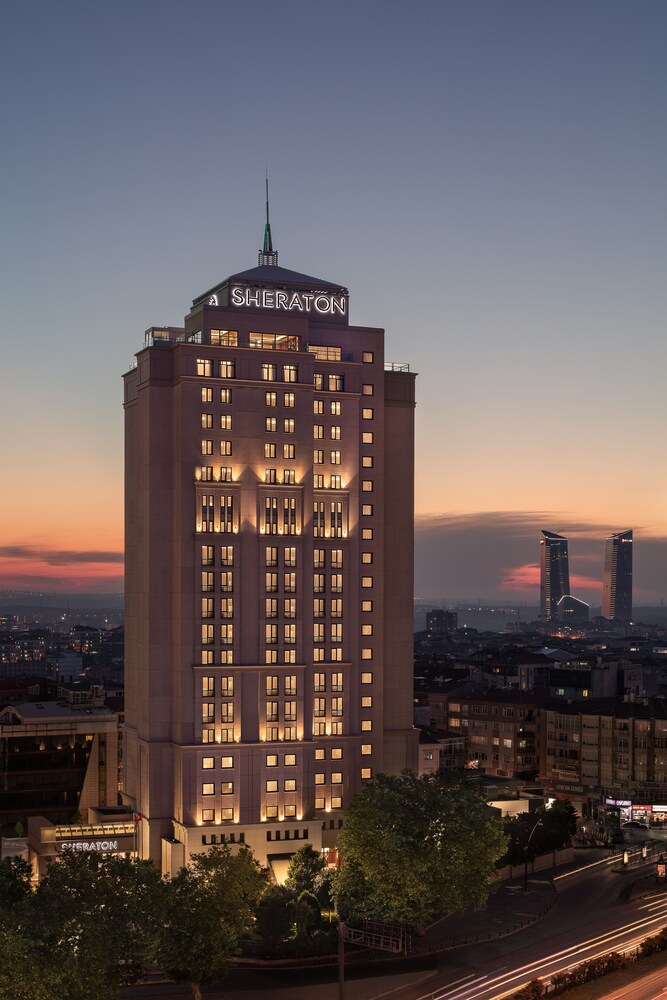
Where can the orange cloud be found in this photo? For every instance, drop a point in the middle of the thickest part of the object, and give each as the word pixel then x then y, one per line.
pixel 527 577
pixel 26 567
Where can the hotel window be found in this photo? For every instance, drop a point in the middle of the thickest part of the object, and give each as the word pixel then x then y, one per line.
pixel 207 608
pixel 207 447
pixel 318 654
pixel 366 749
pixel 207 816
pixel 288 399
pixel 206 657
pixel 271 556
pixel 226 814
pixel 367 677
pixel 208 788
pixel 290 759
pixel 289 633
pixel 269 373
pixel 319 558
pixel 289 556
pixel 290 711
pixel 226 657
pixel 318 631
pixel 367 462
pixel 318 481
pixel 335 458
pixel 336 802
pixel 289 373
pixel 335 433
pixel 225 447
pixel 208 735
pixel 288 425
pixel 336 607
pixel 318 380
pixel 271 515
pixel 207 512
pixel 336 778
pixel 336 583
pixel 336 654
pixel 208 687
pixel 289 684
pixel 335 407
pixel 272 711
pixel 289 583
pixel 366 772
pixel 289 607
pixel 366 725
pixel 227 788
pixel 226 762
pixel 335 383
pixel 226 474
pixel 269 450
pixel 271 608
pixel 272 685
pixel 289 515
pixel 288 474
pixel 367 534
pixel 319 682
pixel 318 518
pixel 318 607
pixel 368 357
pixel 225 421
pixel 271 398
pixel 367 390
pixel 318 407
pixel 271 634
pixel 367 630
pixel 227 712
pixel 208 712
pixel 270 476
pixel 335 483
pixel 336 518
pixel 319 778
pixel 227 369
pixel 337 683
pixel 272 812
pixel 224 338
pixel 206 420
pixel 207 581
pixel 207 763
pixel 367 437
pixel 367 701
pixel 318 431
pixel 272 760
pixel 271 785
pixel 227 513
pixel 206 473
pixel 290 810
pixel 289 451
pixel 271 424
pixel 318 457
pixel 226 607
pixel 290 784
pixel 227 687
pixel 367 485
pixel 318 583
pixel 225 396
pixel 337 633
pixel 204 367
pixel 367 509
pixel 319 707
pixel 367 558
pixel 207 635
pixel 227 555
pixel 367 413
pixel 366 654
pixel 206 395
pixel 271 583
pixel 226 634
pixel 319 803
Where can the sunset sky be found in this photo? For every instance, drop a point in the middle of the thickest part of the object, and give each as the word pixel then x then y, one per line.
pixel 486 176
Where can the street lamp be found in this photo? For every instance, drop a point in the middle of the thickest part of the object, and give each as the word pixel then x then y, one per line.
pixel 525 855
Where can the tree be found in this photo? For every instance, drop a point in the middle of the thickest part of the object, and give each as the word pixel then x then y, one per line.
pixel 95 919
pixel 304 868
pixel 209 906
pixel 274 914
pixel 15 875
pixel 413 848
pixel 307 915
pixel 558 825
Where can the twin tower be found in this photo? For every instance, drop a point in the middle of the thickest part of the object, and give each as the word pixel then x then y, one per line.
pixel 556 602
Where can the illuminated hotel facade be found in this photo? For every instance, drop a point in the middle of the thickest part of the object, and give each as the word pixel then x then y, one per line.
pixel 554 574
pixel 269 568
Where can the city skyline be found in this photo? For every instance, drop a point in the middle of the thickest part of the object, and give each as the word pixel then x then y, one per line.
pixel 499 209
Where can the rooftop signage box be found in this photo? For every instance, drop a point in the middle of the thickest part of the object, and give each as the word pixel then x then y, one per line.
pixel 322 303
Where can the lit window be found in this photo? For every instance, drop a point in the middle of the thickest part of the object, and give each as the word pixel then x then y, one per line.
pixel 208 815
pixel 336 802
pixel 226 369
pixel 367 390
pixel 288 474
pixel 271 634
pixel 335 483
pixel 288 425
pixel 272 812
pixel 335 433
pixel 289 373
pixel 206 420
pixel 207 607
pixel 226 422
pixel 367 485
pixel 367 509
pixel 225 396
pixel 318 431
pixel 207 395
pixel 208 687
pixel 269 373
pixel 368 357
pixel 367 557
pixel 320 681
pixel 227 686
pixel 318 457
pixel 367 437
pixel 335 407
pixel 204 367
pixel 289 451
pixel 367 630
pixel 208 788
pixel 336 778
pixel 269 450
pixel 336 682
pixel 367 413
pixel 367 462
pixel 319 778
pixel 366 677
pixel 226 814
pixel 270 476
pixel 271 398
pixel 224 338
pixel 290 759
pixel 318 654
pixel 367 701
pixel 272 760
pixel 270 424
pixel 207 555
pixel 272 786
pixel 288 399
pixel 366 725
pixel 207 763
pixel 367 534
pixel 290 785
pixel 337 753
pixel 335 458
pixel 318 406
pixel 366 582
pixel 207 447
pixel 366 749
pixel 225 447
pixel 319 803
pixel 227 788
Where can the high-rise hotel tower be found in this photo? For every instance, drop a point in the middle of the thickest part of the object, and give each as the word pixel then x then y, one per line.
pixel 554 574
pixel 617 582
pixel 269 567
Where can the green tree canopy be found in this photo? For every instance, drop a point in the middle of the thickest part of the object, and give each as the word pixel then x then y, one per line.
pixel 304 868
pixel 15 874
pixel 413 848
pixel 557 825
pixel 209 905
pixel 274 914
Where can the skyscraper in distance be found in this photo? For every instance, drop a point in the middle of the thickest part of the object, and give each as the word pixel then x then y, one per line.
pixel 617 582
pixel 554 574
pixel 269 553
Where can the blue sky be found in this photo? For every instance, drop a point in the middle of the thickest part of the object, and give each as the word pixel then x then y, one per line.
pixel 488 179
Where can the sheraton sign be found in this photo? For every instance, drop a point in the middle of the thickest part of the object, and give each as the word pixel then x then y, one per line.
pixel 324 303
pixel 96 846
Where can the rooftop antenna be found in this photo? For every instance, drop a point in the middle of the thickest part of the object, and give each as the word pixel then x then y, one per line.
pixel 267 255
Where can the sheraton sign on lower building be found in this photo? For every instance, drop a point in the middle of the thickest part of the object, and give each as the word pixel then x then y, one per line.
pixel 101 846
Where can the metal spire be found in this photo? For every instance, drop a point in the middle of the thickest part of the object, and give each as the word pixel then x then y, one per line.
pixel 267 255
